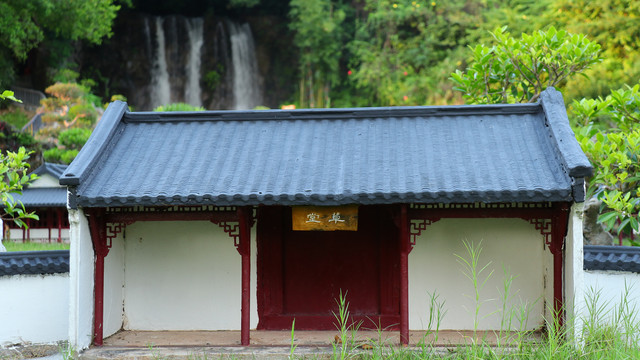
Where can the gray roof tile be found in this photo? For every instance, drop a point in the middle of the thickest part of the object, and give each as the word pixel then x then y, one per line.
pixel 450 154
pixel 614 258
pixel 55 170
pixel 34 262
pixel 42 197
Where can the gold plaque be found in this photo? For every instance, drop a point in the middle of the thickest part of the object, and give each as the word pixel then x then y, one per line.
pixel 325 218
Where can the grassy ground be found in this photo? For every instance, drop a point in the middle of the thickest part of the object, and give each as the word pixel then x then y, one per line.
pixel 33 246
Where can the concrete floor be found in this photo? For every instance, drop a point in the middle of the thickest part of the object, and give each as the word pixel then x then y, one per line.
pixel 264 344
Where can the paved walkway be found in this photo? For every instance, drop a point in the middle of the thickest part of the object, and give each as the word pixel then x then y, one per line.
pixel 211 345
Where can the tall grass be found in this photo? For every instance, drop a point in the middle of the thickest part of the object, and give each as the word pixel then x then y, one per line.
pixel 607 331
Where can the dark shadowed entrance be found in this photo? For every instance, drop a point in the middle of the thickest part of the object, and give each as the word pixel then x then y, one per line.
pixel 301 273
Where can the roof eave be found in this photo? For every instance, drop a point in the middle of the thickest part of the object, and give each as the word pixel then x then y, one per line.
pixel 101 136
pixel 575 161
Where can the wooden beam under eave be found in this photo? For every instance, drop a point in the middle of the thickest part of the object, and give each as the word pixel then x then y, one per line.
pixel 97 227
pixel 244 247
pixel 405 248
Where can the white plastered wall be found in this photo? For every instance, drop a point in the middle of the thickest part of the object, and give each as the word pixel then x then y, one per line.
pixel 81 267
pixel 114 271
pixel 178 276
pixel 34 309
pixel 510 244
pixel 573 269
pixel 45 181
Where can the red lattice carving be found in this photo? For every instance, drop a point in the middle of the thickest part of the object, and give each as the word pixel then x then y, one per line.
pixel 232 229
pixel 545 228
pixel 416 226
pixel 112 230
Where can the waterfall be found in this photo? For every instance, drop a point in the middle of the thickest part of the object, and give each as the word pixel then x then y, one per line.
pixel 192 92
pixel 246 92
pixel 180 57
pixel 160 88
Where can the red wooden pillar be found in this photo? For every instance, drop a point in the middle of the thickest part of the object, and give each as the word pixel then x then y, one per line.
pixel 405 248
pixel 559 225
pixel 98 229
pixel 244 248
pixel 59 216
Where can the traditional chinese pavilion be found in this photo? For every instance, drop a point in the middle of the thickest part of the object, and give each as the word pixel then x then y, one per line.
pixel 47 199
pixel 247 220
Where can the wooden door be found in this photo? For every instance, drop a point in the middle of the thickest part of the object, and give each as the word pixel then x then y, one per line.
pixel 302 273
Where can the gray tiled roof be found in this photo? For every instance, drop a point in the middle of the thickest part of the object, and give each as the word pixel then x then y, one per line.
pixel 615 258
pixel 446 154
pixel 43 197
pixel 55 170
pixel 34 262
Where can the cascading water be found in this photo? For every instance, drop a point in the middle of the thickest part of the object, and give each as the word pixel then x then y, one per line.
pixel 246 92
pixel 179 56
pixel 192 91
pixel 160 87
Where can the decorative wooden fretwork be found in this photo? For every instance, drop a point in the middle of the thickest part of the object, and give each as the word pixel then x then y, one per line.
pixel 232 228
pixel 512 205
pixel 113 229
pixel 175 208
pixel 416 226
pixel 544 226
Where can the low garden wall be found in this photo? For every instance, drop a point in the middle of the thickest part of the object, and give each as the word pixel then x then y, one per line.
pixel 34 290
pixel 612 280
pixel 34 297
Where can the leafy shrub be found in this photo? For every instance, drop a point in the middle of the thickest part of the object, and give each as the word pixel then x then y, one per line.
pixel 68 156
pixel 15 116
pixel 178 107
pixel 74 138
pixel 518 70
pixel 53 155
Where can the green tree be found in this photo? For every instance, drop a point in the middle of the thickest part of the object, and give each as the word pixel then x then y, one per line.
pixel 318 37
pixel 608 129
pixel 613 24
pixel 404 50
pixel 24 24
pixel 518 70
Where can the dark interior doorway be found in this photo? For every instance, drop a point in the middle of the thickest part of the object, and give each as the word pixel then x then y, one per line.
pixel 301 273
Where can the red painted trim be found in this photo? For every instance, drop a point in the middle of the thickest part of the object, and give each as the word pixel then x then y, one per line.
pixel 559 232
pixel 125 217
pixel 244 218
pixel 59 213
pixel 97 227
pixel 405 246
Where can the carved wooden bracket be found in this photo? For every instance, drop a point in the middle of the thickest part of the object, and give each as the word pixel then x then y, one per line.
pixel 113 229
pixel 416 226
pixel 545 227
pixel 232 228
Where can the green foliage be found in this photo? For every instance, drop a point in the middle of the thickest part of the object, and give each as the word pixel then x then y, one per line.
pixel 70 142
pixel 70 105
pixel 212 78
pixel 612 23
pixel 610 137
pixel 34 246
pixel 13 172
pixel 25 23
pixel 318 37
pixel 74 138
pixel 518 70
pixel 404 50
pixel 8 95
pixel 15 116
pixel 178 107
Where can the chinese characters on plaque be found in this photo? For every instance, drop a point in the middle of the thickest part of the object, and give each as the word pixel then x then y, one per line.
pixel 325 218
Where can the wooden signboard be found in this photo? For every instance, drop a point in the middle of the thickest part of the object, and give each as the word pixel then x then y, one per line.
pixel 325 218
